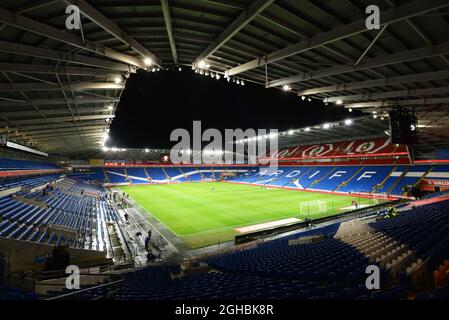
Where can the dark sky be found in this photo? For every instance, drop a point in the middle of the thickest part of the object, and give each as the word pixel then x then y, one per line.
pixel 155 103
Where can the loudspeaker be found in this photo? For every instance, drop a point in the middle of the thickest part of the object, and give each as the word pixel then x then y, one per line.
pixel 403 126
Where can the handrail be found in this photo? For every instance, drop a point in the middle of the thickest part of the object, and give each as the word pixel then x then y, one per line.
pixel 84 290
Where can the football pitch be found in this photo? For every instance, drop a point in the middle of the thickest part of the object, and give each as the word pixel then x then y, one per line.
pixel 209 212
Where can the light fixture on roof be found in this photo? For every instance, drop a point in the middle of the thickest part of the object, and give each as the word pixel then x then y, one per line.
pixel 303 98
pixel 202 64
pixel 348 122
pixel 217 76
pixel 326 126
pixel 148 62
pixel 242 83
pixel 339 102
pixel 286 87
pixel 110 107
pixel 290 132
pixel 350 109
pixel 374 115
pixel 307 129
pixel 147 150
pixel 118 80
pixel 238 81
pixel 308 99
pixel 179 69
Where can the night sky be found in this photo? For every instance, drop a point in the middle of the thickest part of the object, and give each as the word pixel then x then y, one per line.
pixel 155 103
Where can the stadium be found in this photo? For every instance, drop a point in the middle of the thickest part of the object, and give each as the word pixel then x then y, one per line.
pixel 111 190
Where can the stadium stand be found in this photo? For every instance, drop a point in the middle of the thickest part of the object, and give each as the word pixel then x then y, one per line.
pixel 366 179
pixel 75 206
pixel 411 177
pixel 332 268
pixel 116 175
pixel 370 186
pixel 191 173
pixel 12 164
pixel 156 174
pixel 137 175
pixel 175 174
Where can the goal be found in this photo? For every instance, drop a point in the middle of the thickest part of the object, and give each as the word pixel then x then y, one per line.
pixel 311 208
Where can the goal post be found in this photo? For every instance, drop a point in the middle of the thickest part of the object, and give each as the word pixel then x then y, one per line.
pixel 381 197
pixel 310 209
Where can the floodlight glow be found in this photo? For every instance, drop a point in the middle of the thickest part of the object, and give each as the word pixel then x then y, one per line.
pixel 303 98
pixel 350 109
pixel 339 102
pixel 348 122
pixel 148 61
pixel 307 129
pixel 242 83
pixel 118 80
pixel 290 132
pixel 110 107
pixel 147 150
pixel 286 87
pixel 326 126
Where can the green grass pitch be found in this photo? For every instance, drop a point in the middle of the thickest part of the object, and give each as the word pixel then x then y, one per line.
pixel 207 213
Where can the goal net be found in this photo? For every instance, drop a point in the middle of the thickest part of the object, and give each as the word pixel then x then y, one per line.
pixel 381 197
pixel 311 208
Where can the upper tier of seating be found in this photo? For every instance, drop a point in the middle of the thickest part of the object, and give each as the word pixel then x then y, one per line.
pixel 11 164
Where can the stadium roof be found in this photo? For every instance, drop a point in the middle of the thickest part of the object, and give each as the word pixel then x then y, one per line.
pixel 59 88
